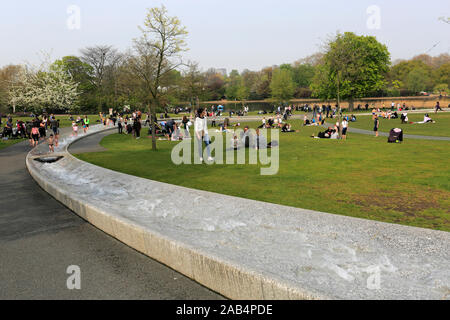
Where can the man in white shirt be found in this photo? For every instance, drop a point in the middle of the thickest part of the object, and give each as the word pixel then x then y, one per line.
pixel 344 129
pixel 201 133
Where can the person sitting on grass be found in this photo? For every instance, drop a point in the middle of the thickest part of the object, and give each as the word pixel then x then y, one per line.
pixel 129 128
pixel 176 134
pixel 404 117
pixel 246 137
pixel 263 125
pixel 287 128
pixel 260 142
pixel 223 127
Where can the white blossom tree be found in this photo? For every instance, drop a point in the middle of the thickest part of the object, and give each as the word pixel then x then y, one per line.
pixel 51 89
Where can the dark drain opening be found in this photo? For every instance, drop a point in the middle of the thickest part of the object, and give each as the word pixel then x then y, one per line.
pixel 48 159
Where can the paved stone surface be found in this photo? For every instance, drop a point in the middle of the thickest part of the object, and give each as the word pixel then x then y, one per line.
pixel 253 250
pixel 40 238
pixel 90 143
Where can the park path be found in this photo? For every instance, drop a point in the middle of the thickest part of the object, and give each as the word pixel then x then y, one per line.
pixel 40 238
pixel 350 129
pixel 386 134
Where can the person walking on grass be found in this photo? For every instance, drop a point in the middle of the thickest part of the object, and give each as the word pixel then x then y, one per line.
pixel 376 125
pixel 201 134
pixel 137 127
pixel 344 129
pixel 120 125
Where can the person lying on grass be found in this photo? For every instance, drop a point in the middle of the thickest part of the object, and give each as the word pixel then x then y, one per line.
pixel 330 133
pixel 426 119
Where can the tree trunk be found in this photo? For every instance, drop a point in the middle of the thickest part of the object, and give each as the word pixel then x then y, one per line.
pixel 153 124
pixel 350 104
pixel 339 107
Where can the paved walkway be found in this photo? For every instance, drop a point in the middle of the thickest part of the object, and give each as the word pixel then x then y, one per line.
pixel 386 134
pixel 90 143
pixel 40 238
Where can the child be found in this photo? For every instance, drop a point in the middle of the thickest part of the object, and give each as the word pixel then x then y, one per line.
pixel 74 129
pixel 235 142
pixel 51 142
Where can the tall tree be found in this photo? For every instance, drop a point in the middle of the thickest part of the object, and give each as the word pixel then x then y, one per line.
pixel 192 83
pixel 418 80
pixel 50 90
pixel 157 53
pixel 9 75
pixel 243 91
pixel 232 84
pixel 352 67
pixel 99 57
pixel 79 71
pixel 282 86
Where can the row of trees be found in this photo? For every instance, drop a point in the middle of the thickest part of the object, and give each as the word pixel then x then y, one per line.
pixel 151 73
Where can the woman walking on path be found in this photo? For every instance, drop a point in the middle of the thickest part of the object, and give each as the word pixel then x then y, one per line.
pixel 201 133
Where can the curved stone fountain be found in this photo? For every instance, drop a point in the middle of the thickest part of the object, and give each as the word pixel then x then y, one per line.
pixel 247 249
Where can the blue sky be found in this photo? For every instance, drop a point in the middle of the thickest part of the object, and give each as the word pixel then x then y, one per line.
pixel 223 34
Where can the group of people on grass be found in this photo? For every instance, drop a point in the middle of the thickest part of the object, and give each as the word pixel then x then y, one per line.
pixel 332 132
pixel 35 130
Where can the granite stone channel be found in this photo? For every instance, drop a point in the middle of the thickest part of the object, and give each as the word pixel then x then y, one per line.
pixel 245 249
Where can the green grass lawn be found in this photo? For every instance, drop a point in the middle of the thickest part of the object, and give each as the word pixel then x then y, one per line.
pixel 362 177
pixel 440 128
